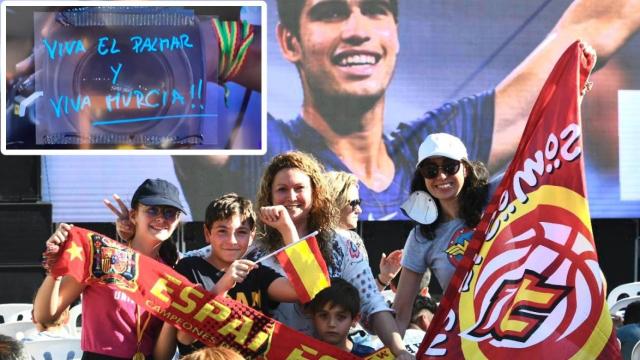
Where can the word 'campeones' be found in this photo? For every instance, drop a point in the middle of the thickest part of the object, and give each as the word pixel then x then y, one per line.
pixel 106 45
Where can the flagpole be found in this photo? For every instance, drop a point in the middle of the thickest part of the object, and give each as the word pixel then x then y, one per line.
pixel 286 247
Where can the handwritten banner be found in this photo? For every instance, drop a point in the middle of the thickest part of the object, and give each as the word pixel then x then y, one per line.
pixel 120 75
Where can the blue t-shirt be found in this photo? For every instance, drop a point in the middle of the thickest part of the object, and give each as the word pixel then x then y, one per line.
pixel 629 335
pixel 471 119
pixel 361 350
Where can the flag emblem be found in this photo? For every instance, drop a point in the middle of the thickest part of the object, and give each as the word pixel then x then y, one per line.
pixel 538 288
pixel 113 264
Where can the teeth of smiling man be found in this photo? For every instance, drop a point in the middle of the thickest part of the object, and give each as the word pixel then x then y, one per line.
pixel 353 60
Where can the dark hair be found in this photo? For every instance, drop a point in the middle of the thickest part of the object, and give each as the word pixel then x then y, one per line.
pixel 168 252
pixel 11 349
pixel 228 205
pixel 323 215
pixel 290 11
pixel 340 293
pixel 423 303
pixel 471 200
pixel 632 313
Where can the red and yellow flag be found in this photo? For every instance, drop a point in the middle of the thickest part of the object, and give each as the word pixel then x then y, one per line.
pixel 305 268
pixel 529 285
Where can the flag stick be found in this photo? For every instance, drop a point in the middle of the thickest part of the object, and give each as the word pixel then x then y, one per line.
pixel 286 247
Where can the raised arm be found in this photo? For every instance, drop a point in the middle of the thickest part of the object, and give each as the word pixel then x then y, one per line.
pixel 250 74
pixel 56 293
pixel 54 296
pixel 605 25
pixel 281 290
pixel 278 218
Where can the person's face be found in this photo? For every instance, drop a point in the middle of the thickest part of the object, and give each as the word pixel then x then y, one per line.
pixel 332 324
pixel 157 222
pixel 349 214
pixel 345 47
pixel 292 189
pixel 229 239
pixel 447 184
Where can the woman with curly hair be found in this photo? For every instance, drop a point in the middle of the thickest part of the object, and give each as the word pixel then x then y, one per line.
pixel 460 190
pixel 294 187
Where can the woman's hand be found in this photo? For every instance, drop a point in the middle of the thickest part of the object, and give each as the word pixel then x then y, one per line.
pixel 53 245
pixel 124 226
pixel 278 218
pixel 390 266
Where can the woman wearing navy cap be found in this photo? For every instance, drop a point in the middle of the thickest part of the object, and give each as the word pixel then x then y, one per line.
pixel 113 326
pixel 457 190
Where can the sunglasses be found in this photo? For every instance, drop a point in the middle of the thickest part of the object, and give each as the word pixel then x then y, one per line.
pixel 354 203
pixel 429 170
pixel 168 213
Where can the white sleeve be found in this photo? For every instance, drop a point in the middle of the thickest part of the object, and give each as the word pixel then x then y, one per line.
pixel 355 270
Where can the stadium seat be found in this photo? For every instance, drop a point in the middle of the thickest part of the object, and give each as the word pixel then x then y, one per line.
pixel 18 329
pixel 623 291
pixel 62 349
pixel 635 353
pixel 622 304
pixel 15 312
pixel 74 313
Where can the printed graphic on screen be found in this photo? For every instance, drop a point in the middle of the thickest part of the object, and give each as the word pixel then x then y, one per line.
pixel 361 96
pixel 130 77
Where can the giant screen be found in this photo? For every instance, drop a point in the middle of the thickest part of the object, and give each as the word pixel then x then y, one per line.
pixel 447 50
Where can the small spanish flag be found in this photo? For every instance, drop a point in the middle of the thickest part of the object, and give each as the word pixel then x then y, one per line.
pixel 305 268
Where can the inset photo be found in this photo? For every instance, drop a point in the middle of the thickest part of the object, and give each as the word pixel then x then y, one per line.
pixel 103 77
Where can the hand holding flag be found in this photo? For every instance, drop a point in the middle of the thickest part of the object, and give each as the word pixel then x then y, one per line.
pixel 73 253
pixel 234 274
pixel 53 245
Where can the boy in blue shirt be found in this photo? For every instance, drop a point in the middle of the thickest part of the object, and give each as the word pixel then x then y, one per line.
pixel 334 311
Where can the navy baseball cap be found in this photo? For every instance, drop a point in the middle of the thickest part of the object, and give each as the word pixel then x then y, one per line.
pixel 157 192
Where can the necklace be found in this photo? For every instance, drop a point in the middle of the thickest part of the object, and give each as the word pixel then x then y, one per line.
pixel 140 328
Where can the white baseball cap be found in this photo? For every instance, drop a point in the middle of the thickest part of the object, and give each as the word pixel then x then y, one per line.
pixel 442 144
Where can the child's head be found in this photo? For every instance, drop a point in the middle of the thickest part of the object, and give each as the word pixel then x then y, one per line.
pixel 334 310
pixel 214 353
pixel 229 227
pixel 55 324
pixel 424 308
pixel 156 209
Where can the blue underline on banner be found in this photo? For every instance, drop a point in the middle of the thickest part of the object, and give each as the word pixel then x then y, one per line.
pixel 150 118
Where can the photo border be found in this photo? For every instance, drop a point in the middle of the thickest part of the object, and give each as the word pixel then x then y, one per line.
pixel 263 93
